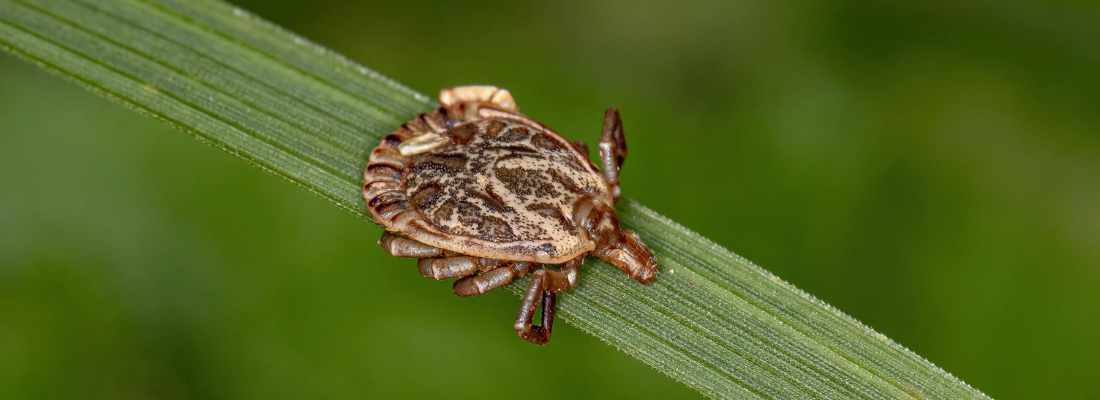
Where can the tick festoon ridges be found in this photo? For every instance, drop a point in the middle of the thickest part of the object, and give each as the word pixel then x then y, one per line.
pixel 480 192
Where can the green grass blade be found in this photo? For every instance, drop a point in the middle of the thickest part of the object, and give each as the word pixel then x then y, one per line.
pixel 711 319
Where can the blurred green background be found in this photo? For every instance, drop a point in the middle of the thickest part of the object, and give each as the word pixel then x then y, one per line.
pixel 931 169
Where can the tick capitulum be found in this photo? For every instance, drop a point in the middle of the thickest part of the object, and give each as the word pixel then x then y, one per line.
pixel 478 191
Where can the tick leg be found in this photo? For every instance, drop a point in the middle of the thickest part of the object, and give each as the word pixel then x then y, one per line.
pixel 455 267
pixel 404 247
pixel 492 279
pixel 423 144
pixel 632 256
pixel 421 135
pixel 612 149
pixel 582 147
pixel 618 246
pixel 432 122
pixel 545 284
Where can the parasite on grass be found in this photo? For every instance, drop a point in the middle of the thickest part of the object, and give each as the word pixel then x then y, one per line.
pixel 475 190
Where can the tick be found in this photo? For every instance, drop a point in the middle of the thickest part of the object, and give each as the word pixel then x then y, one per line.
pixel 478 191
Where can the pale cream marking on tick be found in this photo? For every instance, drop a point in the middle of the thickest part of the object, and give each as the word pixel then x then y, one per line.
pixel 534 228
pixel 422 144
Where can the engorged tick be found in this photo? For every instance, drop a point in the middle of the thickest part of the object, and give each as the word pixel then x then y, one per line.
pixel 478 191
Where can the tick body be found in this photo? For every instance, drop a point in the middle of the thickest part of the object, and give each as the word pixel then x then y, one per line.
pixel 477 191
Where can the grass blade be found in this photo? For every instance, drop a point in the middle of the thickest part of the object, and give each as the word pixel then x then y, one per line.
pixel 711 320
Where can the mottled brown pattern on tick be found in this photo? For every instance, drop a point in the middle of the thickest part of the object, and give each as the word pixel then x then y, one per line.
pixel 504 182
pixel 475 190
